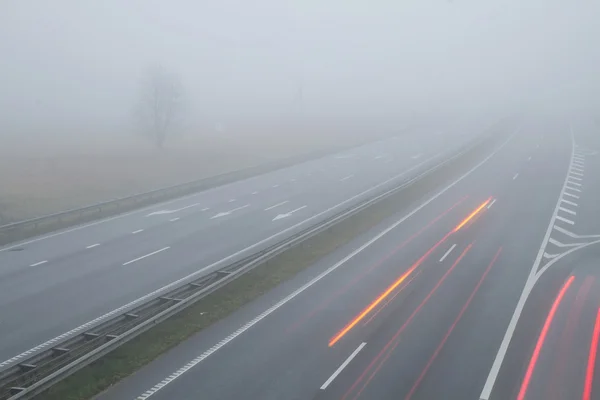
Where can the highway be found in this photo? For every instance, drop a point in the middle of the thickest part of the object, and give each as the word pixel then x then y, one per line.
pixel 488 289
pixel 52 287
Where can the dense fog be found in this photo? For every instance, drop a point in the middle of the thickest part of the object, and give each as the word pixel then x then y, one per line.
pixel 75 67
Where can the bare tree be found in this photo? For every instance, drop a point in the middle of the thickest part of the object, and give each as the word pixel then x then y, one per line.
pixel 160 105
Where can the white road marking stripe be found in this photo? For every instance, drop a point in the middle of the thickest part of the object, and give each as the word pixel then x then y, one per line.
pixel 571 195
pixel 147 255
pixel 574 168
pixel 569 202
pixel 576 178
pixel 448 252
pixel 529 159
pixel 205 209
pixel 39 263
pixel 574 189
pixel 574 236
pixel 575 173
pixel 276 185
pixel 346 178
pixel 574 183
pixel 565 220
pixel 491 204
pixel 231 200
pixel 559 244
pixel 244 328
pixel 138 231
pixel 344 365
pixel 174 219
pixel 91 246
pixel 255 192
pixel 567 211
pixel 550 256
pixel 276 205
pixel 516 176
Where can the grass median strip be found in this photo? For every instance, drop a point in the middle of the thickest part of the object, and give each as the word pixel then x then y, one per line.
pixel 138 352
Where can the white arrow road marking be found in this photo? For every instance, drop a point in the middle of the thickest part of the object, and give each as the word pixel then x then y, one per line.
pixel 161 212
pixel 289 214
pixel 222 214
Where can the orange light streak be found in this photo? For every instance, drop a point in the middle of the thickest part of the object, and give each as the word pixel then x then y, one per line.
pixel 472 215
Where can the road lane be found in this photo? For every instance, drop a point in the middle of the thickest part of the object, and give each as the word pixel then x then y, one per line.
pixel 291 344
pixel 71 287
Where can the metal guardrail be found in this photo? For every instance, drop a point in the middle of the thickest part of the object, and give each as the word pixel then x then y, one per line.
pixel 35 374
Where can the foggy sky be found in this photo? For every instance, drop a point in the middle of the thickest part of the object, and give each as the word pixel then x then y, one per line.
pixel 82 61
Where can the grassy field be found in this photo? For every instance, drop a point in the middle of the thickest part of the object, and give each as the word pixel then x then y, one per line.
pixel 47 180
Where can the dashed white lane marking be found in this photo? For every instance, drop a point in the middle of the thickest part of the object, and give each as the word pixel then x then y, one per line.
pixel 231 200
pixel 276 185
pixel 491 204
pixel 565 220
pixel 138 231
pixel 276 205
pixel 255 192
pixel 346 178
pixel 147 255
pixel 569 202
pixel 447 253
pixel 260 317
pixel 205 209
pixel 379 156
pixel 516 176
pixel 567 211
pixel 344 365
pixel 91 246
pixel 571 195
pixel 39 263
pixel 174 219
pixel 225 213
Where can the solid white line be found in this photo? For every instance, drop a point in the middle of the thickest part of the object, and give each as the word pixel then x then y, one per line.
pixel 491 204
pixel 39 263
pixel 574 189
pixel 346 178
pixel 495 369
pixel 174 219
pixel 344 365
pixel 260 317
pixel 276 205
pixel 147 255
pixel 138 231
pixel 91 246
pixel 567 211
pixel 569 202
pixel 568 221
pixel 447 252
pixel 516 176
